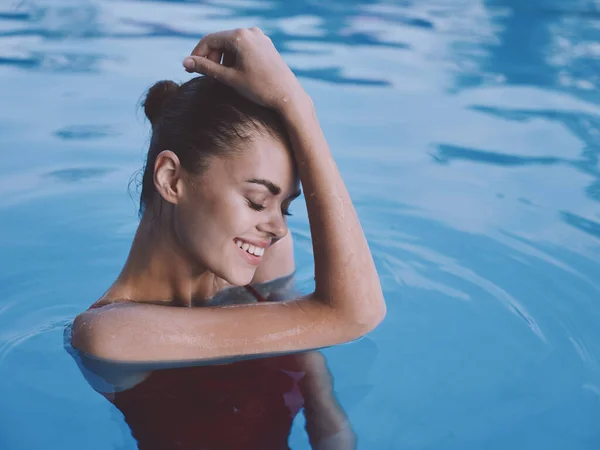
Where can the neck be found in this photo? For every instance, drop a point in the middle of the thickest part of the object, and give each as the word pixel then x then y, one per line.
pixel 158 271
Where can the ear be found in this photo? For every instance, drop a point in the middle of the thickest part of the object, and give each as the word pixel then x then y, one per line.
pixel 167 176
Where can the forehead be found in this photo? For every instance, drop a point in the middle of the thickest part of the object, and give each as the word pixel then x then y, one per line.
pixel 260 157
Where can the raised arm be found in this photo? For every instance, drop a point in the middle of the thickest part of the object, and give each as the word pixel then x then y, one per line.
pixel 347 302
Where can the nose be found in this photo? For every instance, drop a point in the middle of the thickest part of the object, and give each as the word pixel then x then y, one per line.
pixel 276 226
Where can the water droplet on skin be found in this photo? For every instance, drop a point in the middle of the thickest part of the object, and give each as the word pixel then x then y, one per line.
pixel 285 99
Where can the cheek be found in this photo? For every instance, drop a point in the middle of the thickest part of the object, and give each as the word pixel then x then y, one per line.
pixel 219 220
pixel 191 228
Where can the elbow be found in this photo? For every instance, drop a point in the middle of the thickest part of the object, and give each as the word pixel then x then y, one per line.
pixel 380 315
pixel 364 322
pixel 374 318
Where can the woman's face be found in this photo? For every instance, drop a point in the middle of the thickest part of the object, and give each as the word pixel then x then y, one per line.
pixel 240 200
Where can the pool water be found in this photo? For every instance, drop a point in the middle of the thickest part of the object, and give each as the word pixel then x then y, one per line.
pixel 468 134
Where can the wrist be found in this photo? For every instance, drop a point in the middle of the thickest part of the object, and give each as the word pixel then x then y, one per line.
pixel 297 103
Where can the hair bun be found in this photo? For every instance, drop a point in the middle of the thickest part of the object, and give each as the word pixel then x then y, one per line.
pixel 157 98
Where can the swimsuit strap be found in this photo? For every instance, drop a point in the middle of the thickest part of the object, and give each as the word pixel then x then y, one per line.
pixel 256 294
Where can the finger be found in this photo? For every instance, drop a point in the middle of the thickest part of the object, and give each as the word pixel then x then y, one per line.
pixel 215 56
pixel 222 40
pixel 229 59
pixel 209 68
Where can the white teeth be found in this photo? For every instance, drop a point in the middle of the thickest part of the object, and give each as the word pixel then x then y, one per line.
pixel 252 249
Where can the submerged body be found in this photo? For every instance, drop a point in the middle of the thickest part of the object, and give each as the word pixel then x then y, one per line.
pixel 243 405
pixel 248 404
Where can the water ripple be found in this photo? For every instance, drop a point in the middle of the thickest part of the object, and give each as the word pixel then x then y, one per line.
pixel 84 132
pixel 42 321
pixel 587 226
pixel 451 266
pixel 408 274
pixel 447 153
pixel 78 174
pixel 306 23
pixel 22 187
pixel 468 133
pixel 526 247
pixel 56 62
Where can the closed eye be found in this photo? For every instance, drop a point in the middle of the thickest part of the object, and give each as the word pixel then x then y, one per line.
pixel 258 207
pixel 255 206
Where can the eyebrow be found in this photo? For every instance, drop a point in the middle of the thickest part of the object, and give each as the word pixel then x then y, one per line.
pixel 272 187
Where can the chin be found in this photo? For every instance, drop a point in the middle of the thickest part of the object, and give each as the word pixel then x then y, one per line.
pixel 238 278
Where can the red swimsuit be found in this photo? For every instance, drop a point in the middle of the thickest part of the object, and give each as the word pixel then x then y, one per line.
pixel 246 405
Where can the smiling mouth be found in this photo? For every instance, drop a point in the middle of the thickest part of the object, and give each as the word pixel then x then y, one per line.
pixel 251 250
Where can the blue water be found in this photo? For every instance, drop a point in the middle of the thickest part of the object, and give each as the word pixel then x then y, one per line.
pixel 468 134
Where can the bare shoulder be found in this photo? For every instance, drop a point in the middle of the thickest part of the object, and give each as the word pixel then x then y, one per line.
pixel 103 376
pixel 90 324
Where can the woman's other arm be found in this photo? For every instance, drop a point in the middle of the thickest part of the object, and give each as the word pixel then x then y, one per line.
pixel 327 425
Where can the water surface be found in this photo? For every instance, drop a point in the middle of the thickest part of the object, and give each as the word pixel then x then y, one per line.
pixel 468 134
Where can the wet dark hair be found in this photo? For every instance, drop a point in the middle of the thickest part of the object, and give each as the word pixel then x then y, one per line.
pixel 198 120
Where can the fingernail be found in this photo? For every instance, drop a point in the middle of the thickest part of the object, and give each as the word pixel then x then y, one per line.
pixel 189 64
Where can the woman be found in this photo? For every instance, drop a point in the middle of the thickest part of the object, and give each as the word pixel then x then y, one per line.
pixel 227 154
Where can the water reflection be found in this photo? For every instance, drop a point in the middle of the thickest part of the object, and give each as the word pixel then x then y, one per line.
pixel 447 153
pixel 587 226
pixel 84 132
pixel 546 43
pixel 586 127
pixel 55 62
pixel 75 175
pixel 293 27
pixel 561 40
pixel 530 55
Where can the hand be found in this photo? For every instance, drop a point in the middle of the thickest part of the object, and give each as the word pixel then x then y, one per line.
pixel 251 65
